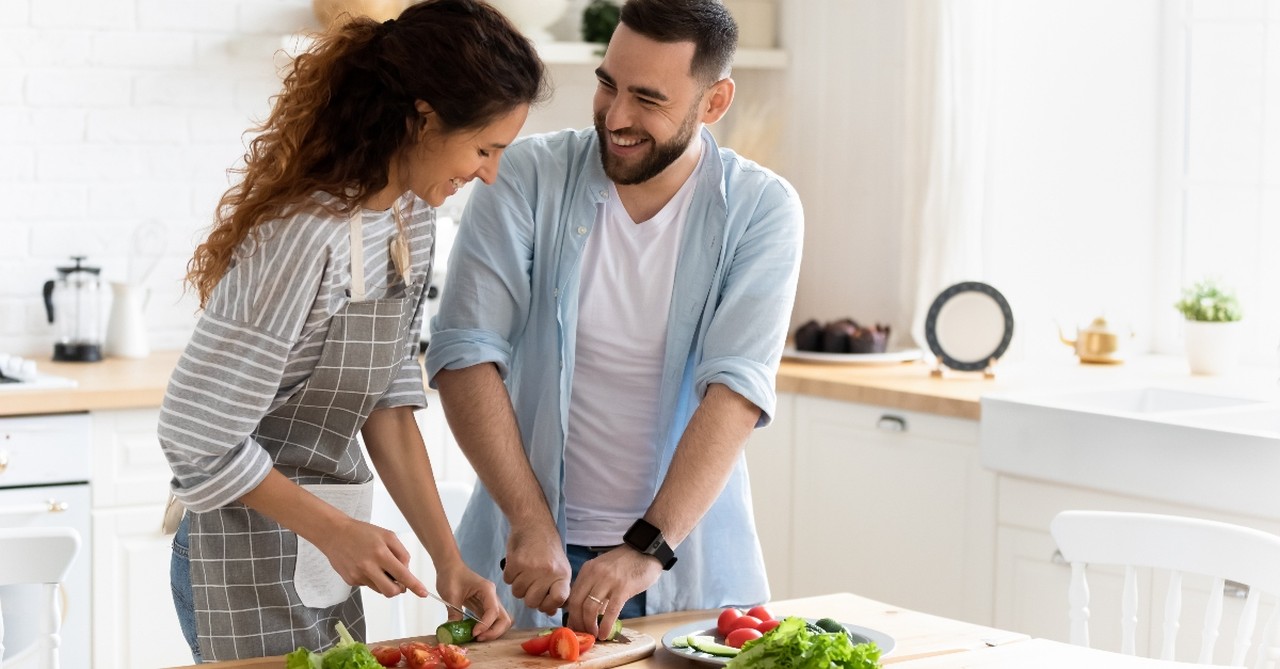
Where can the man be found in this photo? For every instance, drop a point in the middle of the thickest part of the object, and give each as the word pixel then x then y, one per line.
pixel 632 284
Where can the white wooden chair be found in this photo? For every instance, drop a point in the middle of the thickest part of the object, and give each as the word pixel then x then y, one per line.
pixel 38 556
pixel 1180 546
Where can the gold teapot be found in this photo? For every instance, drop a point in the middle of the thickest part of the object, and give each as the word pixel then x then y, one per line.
pixel 1098 344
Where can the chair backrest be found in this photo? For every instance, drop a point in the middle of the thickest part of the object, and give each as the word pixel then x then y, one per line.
pixel 38 556
pixel 1178 545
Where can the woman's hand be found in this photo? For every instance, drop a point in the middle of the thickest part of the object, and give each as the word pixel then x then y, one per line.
pixel 457 584
pixel 368 555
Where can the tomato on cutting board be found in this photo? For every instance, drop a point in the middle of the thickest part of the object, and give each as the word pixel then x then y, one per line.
pixel 387 656
pixel 418 655
pixel 564 645
pixel 453 656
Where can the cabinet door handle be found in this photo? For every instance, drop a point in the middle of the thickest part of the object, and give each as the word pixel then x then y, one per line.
pixel 4 462
pixel 47 506
pixel 890 423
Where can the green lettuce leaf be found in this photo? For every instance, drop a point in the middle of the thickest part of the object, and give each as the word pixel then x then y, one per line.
pixel 792 645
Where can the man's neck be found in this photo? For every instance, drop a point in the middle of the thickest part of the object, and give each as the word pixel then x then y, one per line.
pixel 643 201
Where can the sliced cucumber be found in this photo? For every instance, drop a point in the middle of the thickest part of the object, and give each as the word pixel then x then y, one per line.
pixel 455 631
pixel 708 644
pixel 617 629
pixel 680 642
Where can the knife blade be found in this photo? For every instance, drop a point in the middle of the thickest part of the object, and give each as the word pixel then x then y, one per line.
pixel 452 607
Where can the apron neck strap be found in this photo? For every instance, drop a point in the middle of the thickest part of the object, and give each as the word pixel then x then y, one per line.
pixel 357 256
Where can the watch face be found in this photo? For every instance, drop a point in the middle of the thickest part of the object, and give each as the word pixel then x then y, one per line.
pixel 642 536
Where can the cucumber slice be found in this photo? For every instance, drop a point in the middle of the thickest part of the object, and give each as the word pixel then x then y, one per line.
pixel 708 644
pixel 455 631
pixel 680 642
pixel 617 629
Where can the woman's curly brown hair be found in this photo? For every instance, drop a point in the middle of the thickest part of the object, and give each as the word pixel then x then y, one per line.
pixel 347 108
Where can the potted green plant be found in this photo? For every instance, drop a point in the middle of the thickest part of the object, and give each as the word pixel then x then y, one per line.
pixel 599 18
pixel 1213 316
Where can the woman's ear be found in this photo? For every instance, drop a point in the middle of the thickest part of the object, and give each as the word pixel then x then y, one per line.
pixel 424 118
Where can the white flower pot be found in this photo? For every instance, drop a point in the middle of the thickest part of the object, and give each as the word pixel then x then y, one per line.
pixel 1212 348
pixel 533 17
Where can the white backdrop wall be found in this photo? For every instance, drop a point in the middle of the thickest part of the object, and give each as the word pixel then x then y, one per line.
pixel 118 112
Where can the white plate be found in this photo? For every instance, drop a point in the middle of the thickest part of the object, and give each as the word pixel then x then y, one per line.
pixel 708 628
pixel 886 358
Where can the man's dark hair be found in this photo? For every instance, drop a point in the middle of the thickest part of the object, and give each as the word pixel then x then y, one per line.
pixel 706 23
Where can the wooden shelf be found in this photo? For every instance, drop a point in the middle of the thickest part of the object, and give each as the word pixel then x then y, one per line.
pixel 583 53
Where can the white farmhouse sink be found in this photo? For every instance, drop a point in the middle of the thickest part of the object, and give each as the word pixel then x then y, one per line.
pixel 1203 449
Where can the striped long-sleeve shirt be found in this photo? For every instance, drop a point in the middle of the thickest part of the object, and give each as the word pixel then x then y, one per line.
pixel 260 337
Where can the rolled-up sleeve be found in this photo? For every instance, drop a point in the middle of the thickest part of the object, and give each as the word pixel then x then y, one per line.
pixel 748 332
pixel 221 388
pixel 486 297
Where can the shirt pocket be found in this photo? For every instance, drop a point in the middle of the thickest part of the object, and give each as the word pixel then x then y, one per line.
pixel 314 579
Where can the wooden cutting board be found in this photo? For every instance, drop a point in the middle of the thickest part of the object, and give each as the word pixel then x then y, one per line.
pixel 505 653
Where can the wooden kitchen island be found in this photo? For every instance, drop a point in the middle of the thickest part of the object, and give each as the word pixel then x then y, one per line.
pixel 923 641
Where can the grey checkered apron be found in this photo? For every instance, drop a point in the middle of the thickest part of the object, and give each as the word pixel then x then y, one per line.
pixel 243 563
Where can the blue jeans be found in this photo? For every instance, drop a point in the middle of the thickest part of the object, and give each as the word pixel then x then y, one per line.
pixel 180 584
pixel 578 556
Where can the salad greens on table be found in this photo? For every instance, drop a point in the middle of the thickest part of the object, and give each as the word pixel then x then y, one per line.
pixel 793 644
pixel 346 654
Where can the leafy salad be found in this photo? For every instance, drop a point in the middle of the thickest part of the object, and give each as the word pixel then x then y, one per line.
pixel 794 645
pixel 346 654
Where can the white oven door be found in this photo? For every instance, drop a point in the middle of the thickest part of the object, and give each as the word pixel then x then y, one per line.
pixel 48 506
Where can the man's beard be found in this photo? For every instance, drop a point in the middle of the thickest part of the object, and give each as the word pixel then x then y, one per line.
pixel 657 159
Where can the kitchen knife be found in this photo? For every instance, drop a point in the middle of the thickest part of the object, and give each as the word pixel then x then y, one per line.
pixel 453 607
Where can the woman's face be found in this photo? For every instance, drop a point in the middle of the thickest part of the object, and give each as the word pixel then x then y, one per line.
pixel 442 163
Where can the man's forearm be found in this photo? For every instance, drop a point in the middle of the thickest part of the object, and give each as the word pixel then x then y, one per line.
pixel 483 422
pixel 703 461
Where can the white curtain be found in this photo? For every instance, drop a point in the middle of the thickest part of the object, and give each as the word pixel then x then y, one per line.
pixel 948 101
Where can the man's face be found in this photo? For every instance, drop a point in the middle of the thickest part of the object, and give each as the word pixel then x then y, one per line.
pixel 647 106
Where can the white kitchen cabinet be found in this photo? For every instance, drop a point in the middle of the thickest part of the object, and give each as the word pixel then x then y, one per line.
pixel 893 505
pixel 1031 578
pixel 134 623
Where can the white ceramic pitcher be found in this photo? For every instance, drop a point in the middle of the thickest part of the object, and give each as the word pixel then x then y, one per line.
pixel 127 327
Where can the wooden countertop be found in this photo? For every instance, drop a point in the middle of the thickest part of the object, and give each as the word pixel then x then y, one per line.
pixel 923 641
pixel 118 383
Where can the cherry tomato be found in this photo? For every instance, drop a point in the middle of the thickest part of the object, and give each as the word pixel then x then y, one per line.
pixel 767 626
pixel 453 656
pixel 740 636
pixel 760 612
pixel 387 656
pixel 726 618
pixel 564 645
pixel 749 622
pixel 585 642
pixel 537 645
pixel 418 655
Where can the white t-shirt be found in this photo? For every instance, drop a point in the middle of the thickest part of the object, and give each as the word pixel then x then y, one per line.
pixel 611 458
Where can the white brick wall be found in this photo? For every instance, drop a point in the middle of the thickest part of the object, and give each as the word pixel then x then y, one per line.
pixel 114 113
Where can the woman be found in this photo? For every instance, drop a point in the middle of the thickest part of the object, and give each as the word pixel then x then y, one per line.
pixel 312 284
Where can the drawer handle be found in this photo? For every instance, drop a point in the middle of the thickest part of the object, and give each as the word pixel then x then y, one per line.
pixel 4 462
pixel 47 506
pixel 890 423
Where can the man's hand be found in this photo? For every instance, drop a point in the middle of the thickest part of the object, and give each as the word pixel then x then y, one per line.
pixel 537 569
pixel 604 585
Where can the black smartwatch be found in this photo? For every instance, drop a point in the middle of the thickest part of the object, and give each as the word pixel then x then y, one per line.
pixel 647 539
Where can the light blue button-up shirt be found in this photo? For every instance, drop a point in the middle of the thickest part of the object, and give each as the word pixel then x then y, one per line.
pixel 512 300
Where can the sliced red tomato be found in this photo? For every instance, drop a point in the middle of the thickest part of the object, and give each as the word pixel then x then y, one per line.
pixel 387 656
pixel 564 645
pixel 418 655
pixel 726 618
pixel 740 636
pixel 760 612
pixel 768 625
pixel 750 622
pixel 585 642
pixel 537 645
pixel 453 656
